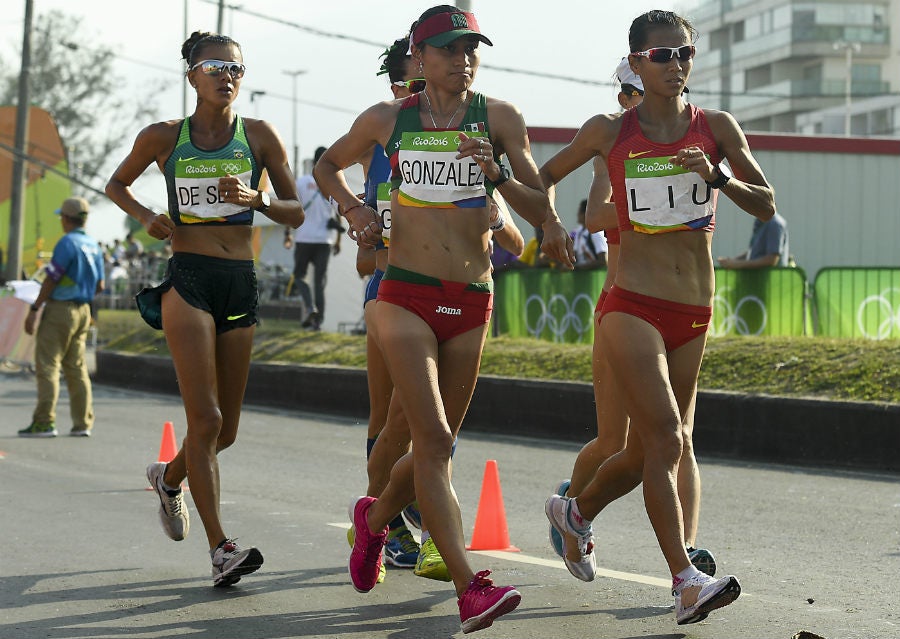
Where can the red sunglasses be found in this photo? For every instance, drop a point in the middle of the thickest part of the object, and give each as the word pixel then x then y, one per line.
pixel 664 54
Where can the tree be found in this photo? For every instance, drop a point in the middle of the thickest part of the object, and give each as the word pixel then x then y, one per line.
pixel 72 79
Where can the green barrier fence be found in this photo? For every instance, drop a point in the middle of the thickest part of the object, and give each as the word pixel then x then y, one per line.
pixel 559 306
pixel 858 302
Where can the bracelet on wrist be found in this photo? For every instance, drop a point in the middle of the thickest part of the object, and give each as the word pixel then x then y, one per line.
pixel 355 206
pixel 35 308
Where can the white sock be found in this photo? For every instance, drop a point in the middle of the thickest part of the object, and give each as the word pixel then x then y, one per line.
pixel 425 537
pixel 575 519
pixel 681 578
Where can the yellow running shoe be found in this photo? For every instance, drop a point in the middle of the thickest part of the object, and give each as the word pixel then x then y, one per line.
pixel 431 565
pixel 351 537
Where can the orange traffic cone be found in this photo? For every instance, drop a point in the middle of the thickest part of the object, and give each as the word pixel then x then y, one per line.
pixel 491 532
pixel 167 447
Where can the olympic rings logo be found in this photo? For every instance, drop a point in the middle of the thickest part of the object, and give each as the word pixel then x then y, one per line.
pixel 747 317
pixel 231 167
pixel 882 311
pixel 559 315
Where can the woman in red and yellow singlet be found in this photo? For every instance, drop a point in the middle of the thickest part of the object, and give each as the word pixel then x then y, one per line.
pixel 663 159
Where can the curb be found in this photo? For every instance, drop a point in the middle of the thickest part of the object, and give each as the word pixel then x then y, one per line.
pixel 758 428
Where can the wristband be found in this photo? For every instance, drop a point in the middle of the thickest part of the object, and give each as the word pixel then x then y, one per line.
pixel 35 308
pixel 503 177
pixel 720 181
pixel 499 225
pixel 355 206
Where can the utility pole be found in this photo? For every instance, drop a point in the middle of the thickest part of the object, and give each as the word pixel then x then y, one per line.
pixel 17 199
pixel 184 80
pixel 294 74
pixel 850 48
pixel 220 23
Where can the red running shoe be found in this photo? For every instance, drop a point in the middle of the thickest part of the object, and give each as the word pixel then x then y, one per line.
pixel 482 602
pixel 365 558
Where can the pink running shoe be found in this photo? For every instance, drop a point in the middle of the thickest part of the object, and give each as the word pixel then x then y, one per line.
pixel 482 602
pixel 365 558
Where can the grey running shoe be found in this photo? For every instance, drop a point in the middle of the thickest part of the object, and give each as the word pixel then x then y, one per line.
pixel 707 594
pixel 47 429
pixel 230 563
pixel 80 432
pixel 173 512
pixel 557 509
pixel 703 560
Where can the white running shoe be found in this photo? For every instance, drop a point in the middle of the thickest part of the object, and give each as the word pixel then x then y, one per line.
pixel 585 568
pixel 708 594
pixel 230 563
pixel 173 512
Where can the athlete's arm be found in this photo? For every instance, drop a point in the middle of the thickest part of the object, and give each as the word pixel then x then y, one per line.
pixel 749 188
pixel 526 193
pixel 600 213
pixel 153 144
pixel 271 154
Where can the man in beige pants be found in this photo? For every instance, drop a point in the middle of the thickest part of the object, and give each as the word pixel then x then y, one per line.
pixel 73 277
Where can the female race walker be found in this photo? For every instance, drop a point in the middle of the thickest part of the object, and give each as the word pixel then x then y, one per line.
pixel 435 298
pixel 663 159
pixel 612 420
pixel 207 305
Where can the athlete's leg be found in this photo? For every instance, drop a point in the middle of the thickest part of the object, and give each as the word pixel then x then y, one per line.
pixel 435 399
pixel 379 380
pixel 638 356
pixel 191 336
pixel 689 477
pixel 392 444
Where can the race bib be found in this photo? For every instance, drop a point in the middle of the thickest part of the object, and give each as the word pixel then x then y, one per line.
pixel 197 186
pixel 383 196
pixel 433 177
pixel 663 197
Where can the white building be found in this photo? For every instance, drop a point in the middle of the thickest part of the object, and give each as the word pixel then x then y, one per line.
pixel 772 62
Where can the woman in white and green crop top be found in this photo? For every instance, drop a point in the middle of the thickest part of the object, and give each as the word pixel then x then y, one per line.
pixel 445 158
pixel 207 305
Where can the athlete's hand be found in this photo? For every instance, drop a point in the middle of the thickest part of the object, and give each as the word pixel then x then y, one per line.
pixel 365 227
pixel 481 150
pixel 233 191
pixel 160 226
pixel 557 244
pixel 694 159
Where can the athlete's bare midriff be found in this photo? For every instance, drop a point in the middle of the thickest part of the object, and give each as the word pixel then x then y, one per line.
pixel 228 242
pixel 449 244
pixel 672 266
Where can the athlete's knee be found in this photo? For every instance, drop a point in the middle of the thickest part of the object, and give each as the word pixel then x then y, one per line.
pixel 664 447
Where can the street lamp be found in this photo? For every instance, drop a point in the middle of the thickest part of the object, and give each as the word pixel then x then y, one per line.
pixel 850 48
pixel 294 75
pixel 253 96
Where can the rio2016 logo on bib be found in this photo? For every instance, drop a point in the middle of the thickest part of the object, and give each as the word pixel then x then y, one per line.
pixel 432 176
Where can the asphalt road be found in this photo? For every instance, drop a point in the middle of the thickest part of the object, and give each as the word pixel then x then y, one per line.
pixel 83 555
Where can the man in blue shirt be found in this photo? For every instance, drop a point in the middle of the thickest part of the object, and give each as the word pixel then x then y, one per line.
pixel 73 277
pixel 768 246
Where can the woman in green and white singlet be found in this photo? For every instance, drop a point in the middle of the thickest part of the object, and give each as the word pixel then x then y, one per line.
pixel 207 305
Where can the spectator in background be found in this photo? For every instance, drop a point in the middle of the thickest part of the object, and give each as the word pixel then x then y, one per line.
pixel 768 246
pixel 133 247
pixel 314 242
pixel 590 248
pixel 74 277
